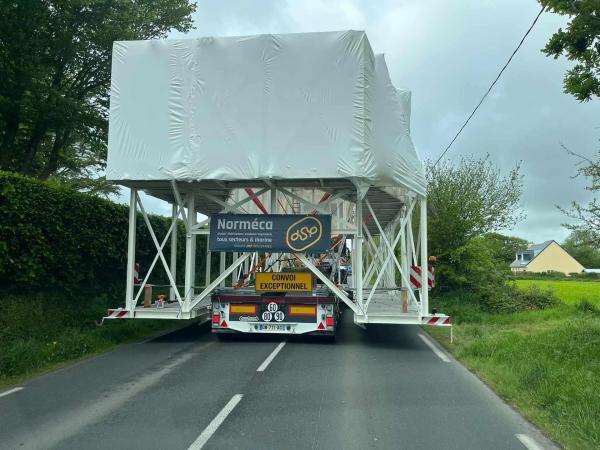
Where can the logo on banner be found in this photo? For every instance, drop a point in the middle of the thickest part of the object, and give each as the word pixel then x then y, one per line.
pixel 304 233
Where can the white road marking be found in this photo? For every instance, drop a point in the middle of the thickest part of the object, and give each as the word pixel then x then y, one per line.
pixel 270 358
pixel 528 442
pixel 215 423
pixel 434 348
pixel 10 391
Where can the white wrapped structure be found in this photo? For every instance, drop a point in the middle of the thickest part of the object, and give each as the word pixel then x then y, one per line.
pixel 305 121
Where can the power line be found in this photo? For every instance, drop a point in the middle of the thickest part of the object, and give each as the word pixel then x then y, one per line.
pixel 491 85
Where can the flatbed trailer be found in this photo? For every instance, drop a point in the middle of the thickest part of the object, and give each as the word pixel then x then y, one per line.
pixel 323 131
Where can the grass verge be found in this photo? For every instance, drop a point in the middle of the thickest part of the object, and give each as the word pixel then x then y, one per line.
pixel 569 291
pixel 546 363
pixel 41 332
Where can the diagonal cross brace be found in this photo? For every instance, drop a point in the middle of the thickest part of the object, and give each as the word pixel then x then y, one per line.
pixel 159 249
pixel 162 245
pixel 391 249
pixel 337 291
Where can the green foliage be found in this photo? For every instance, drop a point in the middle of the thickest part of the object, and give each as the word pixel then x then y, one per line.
pixel 55 59
pixel 55 238
pixel 39 331
pixel 569 291
pixel 579 42
pixel 469 266
pixel 504 247
pixel 467 202
pixel 581 245
pixel 587 228
pixel 545 362
pixel 507 299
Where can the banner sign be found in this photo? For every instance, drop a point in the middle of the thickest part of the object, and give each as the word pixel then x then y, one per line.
pixel 269 232
pixel 284 281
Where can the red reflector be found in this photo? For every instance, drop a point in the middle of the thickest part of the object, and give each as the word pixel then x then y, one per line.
pixel 329 321
pixel 321 326
pixel 223 324
pixel 216 318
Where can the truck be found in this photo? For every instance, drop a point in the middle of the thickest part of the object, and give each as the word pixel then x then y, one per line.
pixel 287 154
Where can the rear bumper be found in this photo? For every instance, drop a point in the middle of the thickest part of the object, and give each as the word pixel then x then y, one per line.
pixel 290 328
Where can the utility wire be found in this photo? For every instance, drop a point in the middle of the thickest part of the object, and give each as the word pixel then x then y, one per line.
pixel 491 85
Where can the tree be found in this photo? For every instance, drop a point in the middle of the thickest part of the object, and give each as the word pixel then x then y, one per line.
pixel 579 42
pixel 581 245
pixel 465 201
pixel 588 216
pixel 504 248
pixel 55 58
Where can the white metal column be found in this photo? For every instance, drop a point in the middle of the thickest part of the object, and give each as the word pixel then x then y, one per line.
pixel 424 271
pixel 190 249
pixel 357 258
pixel 222 267
pixel 208 264
pixel 173 266
pixel 131 249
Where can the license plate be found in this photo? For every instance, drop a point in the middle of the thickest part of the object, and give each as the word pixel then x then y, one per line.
pixel 271 327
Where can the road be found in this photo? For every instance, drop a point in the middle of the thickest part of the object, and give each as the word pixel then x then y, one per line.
pixel 381 388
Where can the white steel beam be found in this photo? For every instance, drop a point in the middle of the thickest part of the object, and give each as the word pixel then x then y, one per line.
pixel 424 262
pixel 224 274
pixel 357 258
pixel 208 264
pixel 154 261
pixel 158 248
pixel 173 266
pixel 391 248
pixel 190 249
pixel 336 290
pixel 222 266
pixel 177 196
pixel 131 249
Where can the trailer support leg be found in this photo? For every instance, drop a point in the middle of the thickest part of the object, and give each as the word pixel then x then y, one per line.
pixel 131 249
pixel 173 267
pixel 190 250
pixel 424 268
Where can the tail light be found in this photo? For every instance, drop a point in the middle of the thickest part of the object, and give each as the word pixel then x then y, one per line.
pixel 329 321
pixel 215 319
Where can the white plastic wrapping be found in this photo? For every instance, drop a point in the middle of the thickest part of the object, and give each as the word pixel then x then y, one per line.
pixel 312 105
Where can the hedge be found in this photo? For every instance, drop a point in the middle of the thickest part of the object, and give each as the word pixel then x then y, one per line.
pixel 55 238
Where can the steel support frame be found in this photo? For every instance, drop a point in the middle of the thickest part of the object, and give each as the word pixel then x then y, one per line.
pixel 398 231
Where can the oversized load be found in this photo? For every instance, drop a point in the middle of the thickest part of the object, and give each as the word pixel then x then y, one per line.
pixel 301 106
pixel 308 126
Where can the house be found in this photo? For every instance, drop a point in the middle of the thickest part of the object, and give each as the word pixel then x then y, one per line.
pixel 544 257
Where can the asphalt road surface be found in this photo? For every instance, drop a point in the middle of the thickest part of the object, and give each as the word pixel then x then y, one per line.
pixel 381 388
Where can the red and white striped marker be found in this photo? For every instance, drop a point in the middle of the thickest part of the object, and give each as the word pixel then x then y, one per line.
pixel 118 313
pixel 415 277
pixel 437 321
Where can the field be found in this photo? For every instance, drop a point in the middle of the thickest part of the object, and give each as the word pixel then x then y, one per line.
pixel 546 363
pixel 569 291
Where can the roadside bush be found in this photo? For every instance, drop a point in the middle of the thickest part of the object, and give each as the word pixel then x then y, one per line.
pixel 587 307
pixel 55 238
pixel 509 299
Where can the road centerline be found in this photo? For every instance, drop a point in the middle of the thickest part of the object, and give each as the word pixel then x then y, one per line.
pixel 215 423
pixel 10 391
pixel 434 348
pixel 271 357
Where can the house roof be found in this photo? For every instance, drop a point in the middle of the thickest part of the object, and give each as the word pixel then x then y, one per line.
pixel 533 250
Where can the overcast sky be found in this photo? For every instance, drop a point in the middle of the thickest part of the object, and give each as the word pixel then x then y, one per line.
pixel 447 53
